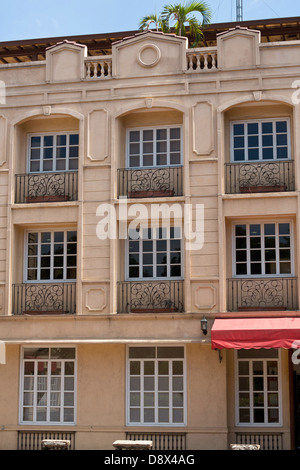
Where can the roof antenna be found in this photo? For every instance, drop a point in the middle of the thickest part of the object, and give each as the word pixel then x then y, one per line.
pixel 239 10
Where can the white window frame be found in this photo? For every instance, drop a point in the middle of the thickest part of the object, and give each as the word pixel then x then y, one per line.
pixel 156 423
pixel 262 262
pixel 35 390
pixel 65 266
pixel 251 392
pixel 41 159
pixel 154 129
pixel 154 252
pixel 260 147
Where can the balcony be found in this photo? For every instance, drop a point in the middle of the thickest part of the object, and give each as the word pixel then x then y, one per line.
pixel 260 294
pixel 241 178
pixel 46 187
pixel 43 299
pixel 150 296
pixel 150 182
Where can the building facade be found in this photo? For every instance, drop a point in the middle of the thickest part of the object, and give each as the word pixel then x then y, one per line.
pixel 101 320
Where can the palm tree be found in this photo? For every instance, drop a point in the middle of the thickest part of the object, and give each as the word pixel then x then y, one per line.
pixel 182 14
pixel 160 23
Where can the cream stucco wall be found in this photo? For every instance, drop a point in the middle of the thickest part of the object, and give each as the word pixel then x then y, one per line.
pixel 43 97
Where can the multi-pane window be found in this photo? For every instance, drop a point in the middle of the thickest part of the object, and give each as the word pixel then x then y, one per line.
pixel 262 249
pixel 53 152
pixel 48 386
pixel 51 256
pixel 155 253
pixel 258 394
pixel 154 147
pixel 260 140
pixel 156 385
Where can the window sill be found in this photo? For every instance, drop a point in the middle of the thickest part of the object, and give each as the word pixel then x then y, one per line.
pixel 34 199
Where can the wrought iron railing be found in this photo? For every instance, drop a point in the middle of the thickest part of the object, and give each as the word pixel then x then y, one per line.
pixel 160 440
pixel 259 177
pixel 150 296
pixel 150 182
pixel 32 440
pixel 279 293
pixel 37 299
pixel 46 187
pixel 266 440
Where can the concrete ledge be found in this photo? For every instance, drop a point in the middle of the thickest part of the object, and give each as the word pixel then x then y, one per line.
pixel 132 445
pixel 55 444
pixel 244 446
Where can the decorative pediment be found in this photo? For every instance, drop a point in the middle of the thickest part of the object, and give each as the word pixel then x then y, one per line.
pixel 149 53
pixel 65 62
pixel 237 48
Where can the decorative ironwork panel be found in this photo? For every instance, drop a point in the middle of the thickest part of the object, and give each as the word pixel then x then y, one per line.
pixel 259 177
pixel 150 296
pixel 46 187
pixel 262 294
pixel 34 299
pixel 150 182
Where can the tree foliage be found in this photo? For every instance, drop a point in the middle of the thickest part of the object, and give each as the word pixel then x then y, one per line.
pixel 180 15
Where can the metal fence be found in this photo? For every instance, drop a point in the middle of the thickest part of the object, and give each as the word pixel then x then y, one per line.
pixel 32 440
pixel 266 440
pixel 161 441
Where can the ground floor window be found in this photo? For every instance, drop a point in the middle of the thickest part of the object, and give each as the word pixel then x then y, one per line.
pixel 258 387
pixel 156 385
pixel 48 385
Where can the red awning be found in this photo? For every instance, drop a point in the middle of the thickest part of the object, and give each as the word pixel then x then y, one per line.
pixel 255 333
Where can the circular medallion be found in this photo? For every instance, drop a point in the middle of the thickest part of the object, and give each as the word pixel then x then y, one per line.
pixel 149 55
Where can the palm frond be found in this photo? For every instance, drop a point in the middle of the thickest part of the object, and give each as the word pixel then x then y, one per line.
pixel 159 23
pixel 180 14
pixel 200 7
pixel 195 30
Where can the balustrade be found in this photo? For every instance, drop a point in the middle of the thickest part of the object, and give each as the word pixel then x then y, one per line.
pixel 202 60
pixel 198 60
pixel 98 67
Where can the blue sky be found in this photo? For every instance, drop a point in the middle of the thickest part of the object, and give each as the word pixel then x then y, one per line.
pixel 31 19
